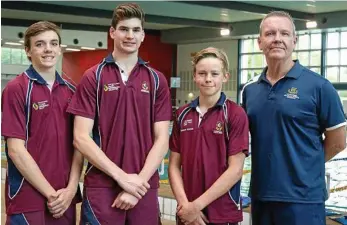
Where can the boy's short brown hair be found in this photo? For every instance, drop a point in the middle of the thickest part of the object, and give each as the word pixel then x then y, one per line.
pixel 212 52
pixel 127 11
pixel 38 28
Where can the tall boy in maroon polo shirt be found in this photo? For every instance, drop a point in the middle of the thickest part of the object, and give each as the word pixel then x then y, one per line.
pixel 209 142
pixel 43 168
pixel 126 105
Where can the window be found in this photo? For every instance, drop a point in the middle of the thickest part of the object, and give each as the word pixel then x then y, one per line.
pixel 252 60
pixel 308 51
pixel 15 56
pixel 336 57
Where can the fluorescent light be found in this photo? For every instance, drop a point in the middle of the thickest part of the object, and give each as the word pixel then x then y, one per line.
pixel 12 43
pixel 311 24
pixel 63 46
pixel 224 32
pixel 73 49
pixel 87 48
pixel 21 41
pixel 310 5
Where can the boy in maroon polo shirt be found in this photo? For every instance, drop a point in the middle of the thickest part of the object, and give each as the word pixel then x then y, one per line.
pixel 43 168
pixel 209 142
pixel 126 105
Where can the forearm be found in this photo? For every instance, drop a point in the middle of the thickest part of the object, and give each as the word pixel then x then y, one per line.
pixel 221 186
pixel 30 170
pixel 76 169
pixel 330 150
pixel 176 183
pixel 154 158
pixel 97 157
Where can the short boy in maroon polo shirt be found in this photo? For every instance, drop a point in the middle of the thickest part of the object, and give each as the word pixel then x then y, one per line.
pixel 43 168
pixel 126 105
pixel 209 142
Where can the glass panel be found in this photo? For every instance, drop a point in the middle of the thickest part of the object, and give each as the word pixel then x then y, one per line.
pixel 315 69
pixel 304 41
pixel 257 61
pixel 343 74
pixel 333 40
pixel 255 46
pixel 247 45
pixel 343 97
pixel 343 56
pixel 303 58
pixel 344 39
pixel 6 55
pixel 316 41
pixel 16 56
pixel 315 58
pixel 332 57
pixel 332 74
pixel 295 55
pixel 25 60
pixel 246 61
pixel 244 76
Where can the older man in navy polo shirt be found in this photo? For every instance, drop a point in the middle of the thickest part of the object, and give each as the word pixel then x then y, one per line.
pixel 289 109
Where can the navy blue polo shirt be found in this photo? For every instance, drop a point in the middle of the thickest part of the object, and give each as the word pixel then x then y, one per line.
pixel 287 121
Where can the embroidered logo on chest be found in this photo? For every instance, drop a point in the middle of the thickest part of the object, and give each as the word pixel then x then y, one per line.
pixel 40 105
pixel 219 128
pixel 292 93
pixel 111 87
pixel 185 124
pixel 145 87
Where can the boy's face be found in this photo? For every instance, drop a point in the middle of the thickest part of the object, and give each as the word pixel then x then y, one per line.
pixel 128 35
pixel 209 76
pixel 44 49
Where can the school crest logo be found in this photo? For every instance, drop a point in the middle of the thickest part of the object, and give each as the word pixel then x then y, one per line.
pixel 40 105
pixel 35 106
pixel 145 87
pixel 111 87
pixel 219 128
pixel 292 93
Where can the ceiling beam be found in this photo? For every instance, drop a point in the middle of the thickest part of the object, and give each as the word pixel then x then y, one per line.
pixel 247 7
pixel 100 13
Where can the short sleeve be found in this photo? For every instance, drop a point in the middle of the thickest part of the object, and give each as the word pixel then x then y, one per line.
pixel 13 124
pixel 330 108
pixel 83 103
pixel 174 143
pixel 238 131
pixel 162 106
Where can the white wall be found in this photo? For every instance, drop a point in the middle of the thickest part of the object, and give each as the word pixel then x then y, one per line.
pixel 185 69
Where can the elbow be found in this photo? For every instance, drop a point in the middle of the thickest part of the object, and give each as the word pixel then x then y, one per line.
pixel 239 173
pixel 13 153
pixel 342 146
pixel 78 142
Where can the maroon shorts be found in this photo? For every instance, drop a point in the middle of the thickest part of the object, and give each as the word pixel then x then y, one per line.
pixel 96 208
pixel 43 218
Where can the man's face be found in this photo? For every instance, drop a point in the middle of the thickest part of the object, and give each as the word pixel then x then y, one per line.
pixel 277 39
pixel 44 49
pixel 128 35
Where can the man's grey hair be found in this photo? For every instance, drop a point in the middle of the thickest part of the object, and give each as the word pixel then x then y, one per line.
pixel 277 14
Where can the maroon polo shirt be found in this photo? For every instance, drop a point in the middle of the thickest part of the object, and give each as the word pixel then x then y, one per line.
pixel 123 115
pixel 204 151
pixel 31 112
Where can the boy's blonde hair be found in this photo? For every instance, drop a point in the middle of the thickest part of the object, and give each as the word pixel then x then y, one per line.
pixel 212 52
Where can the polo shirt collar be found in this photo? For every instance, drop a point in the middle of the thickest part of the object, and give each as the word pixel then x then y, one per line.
pixel 109 59
pixel 34 75
pixel 220 101
pixel 294 72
